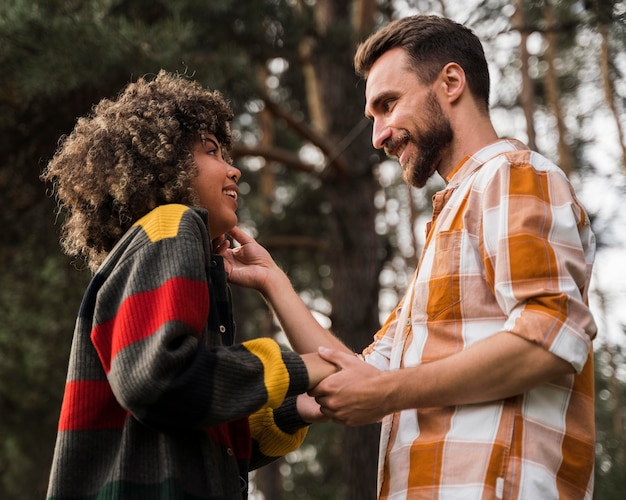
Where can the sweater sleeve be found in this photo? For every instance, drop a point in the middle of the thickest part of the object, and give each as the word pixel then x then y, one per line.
pixel 150 332
pixel 276 432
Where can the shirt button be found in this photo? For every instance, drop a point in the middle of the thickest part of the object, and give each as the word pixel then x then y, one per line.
pixel 222 329
pixel 229 451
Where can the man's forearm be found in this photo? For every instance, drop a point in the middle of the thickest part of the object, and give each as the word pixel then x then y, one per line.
pixel 497 368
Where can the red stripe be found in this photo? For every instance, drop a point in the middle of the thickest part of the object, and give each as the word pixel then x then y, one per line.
pixel 236 435
pixel 90 405
pixel 142 314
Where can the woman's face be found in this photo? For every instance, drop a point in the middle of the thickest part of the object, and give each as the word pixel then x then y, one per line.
pixel 216 184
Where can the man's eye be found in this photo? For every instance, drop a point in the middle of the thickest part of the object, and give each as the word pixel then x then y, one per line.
pixel 387 105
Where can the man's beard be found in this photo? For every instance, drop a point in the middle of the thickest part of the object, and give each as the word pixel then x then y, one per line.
pixel 430 143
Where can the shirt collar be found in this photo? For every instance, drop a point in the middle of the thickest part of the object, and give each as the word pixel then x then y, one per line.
pixel 471 163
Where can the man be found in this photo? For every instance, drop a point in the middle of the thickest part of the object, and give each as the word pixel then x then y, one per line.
pixel 483 375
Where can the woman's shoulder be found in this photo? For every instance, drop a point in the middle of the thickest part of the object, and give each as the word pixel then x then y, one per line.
pixel 166 221
pixel 166 233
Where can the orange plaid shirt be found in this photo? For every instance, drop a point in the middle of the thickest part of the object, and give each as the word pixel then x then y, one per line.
pixel 509 248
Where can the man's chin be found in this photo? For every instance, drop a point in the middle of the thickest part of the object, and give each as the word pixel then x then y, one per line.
pixel 415 179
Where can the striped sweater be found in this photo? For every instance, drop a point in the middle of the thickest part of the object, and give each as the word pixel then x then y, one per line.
pixel 159 401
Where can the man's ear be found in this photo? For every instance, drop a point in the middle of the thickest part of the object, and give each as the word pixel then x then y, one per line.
pixel 453 80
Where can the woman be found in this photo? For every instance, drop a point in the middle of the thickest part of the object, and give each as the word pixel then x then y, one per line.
pixel 160 402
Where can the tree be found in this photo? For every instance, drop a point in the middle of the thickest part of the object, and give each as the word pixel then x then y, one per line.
pixel 334 214
pixel 122 38
pixel 610 410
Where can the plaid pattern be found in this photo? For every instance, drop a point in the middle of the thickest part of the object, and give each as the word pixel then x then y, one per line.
pixel 157 397
pixel 509 248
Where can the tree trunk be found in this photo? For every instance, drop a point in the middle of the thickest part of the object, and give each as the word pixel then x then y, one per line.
pixel 356 255
pixel 566 159
pixel 356 262
pixel 527 95
pixel 268 479
pixel 607 81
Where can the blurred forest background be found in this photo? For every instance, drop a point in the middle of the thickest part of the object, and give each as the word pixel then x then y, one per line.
pixel 334 212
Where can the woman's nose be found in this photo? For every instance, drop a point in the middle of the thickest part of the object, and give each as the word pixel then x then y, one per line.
pixel 234 174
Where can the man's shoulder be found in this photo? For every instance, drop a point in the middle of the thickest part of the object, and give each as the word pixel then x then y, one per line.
pixel 530 161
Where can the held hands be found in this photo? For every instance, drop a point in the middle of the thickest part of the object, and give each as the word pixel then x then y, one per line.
pixel 355 394
pixel 317 368
pixel 309 410
pixel 348 390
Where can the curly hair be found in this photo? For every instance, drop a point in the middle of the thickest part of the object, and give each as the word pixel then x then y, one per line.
pixel 129 156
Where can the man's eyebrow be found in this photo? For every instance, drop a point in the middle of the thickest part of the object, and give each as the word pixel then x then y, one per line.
pixel 377 101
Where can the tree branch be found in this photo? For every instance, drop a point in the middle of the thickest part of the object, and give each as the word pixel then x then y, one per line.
pixel 336 162
pixel 289 241
pixel 290 160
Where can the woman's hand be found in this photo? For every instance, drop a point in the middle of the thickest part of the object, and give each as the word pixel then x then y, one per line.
pixel 248 264
pixel 309 410
pixel 356 394
pixel 252 266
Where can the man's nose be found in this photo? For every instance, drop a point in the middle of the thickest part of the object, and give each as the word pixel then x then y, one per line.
pixel 381 132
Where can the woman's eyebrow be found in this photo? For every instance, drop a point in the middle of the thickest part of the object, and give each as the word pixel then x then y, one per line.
pixel 212 141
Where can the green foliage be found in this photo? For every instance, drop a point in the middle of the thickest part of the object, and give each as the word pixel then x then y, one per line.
pixel 312 464
pixel 60 57
pixel 610 474
pixel 38 304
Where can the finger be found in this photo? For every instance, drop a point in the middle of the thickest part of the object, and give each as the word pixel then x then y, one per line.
pixel 240 236
pixel 222 247
pixel 327 412
pixel 338 358
pixel 322 395
pixel 316 393
pixel 334 416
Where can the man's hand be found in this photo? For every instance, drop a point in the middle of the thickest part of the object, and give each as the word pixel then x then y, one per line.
pixel 317 368
pixel 355 395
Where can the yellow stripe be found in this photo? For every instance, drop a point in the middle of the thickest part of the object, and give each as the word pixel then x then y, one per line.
pixel 272 441
pixel 163 222
pixel 276 376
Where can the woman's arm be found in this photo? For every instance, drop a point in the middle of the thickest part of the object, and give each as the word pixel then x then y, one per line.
pixel 250 265
pixel 150 316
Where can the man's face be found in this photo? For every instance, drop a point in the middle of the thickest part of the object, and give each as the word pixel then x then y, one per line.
pixel 409 122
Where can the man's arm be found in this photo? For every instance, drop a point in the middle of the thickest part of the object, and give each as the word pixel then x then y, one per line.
pixel 496 368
